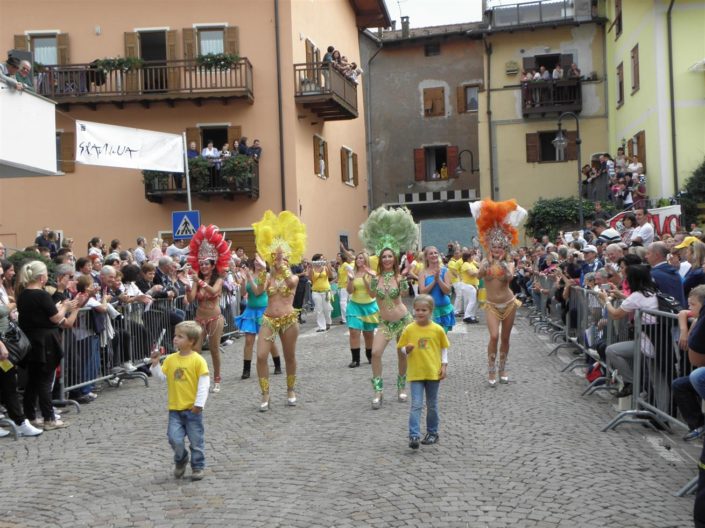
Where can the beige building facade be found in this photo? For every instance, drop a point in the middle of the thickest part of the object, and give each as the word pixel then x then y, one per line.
pixel 274 90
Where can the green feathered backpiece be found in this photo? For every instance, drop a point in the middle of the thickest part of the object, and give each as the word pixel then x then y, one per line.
pixel 389 228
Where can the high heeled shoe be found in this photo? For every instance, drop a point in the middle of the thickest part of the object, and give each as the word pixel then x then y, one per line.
pixel 504 380
pixel 377 400
pixel 291 400
pixel 492 382
pixel 402 396
pixel 264 406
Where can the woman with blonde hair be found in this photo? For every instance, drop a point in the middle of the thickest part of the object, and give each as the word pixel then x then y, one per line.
pixel 362 309
pixel 435 281
pixel 695 253
pixel 40 319
pixel 156 252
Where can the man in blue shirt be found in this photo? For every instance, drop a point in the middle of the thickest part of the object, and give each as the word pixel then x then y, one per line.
pixel 666 277
pixel 590 264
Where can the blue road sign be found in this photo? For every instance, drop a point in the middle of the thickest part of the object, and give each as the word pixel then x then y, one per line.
pixel 184 224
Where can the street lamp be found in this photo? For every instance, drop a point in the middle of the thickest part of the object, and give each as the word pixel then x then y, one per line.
pixel 561 143
pixel 459 169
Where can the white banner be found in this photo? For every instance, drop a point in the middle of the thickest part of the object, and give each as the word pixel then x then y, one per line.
pixel 666 220
pixel 129 148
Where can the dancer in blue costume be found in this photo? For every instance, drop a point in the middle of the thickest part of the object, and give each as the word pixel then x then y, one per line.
pixel 435 281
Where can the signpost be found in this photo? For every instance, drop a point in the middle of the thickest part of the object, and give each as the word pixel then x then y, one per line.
pixel 184 224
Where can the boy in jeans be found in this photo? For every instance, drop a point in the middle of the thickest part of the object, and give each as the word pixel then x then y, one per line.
pixel 186 375
pixel 426 346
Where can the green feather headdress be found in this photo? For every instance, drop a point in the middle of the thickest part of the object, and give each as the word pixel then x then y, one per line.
pixel 389 228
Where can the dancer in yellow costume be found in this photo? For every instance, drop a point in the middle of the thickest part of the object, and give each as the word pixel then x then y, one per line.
pixel 496 224
pixel 280 240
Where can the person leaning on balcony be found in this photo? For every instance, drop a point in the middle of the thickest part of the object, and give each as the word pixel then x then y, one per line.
pixel 574 72
pixel 24 76
pixel 557 74
pixel 256 150
pixel 225 152
pixel 10 68
pixel 242 147
pixel 192 151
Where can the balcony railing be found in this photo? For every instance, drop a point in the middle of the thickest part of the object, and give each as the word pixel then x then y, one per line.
pixel 542 97
pixel 169 185
pixel 325 91
pixel 541 12
pixel 153 81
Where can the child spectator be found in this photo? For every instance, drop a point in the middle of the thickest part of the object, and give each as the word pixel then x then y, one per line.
pixel 426 346
pixel 186 374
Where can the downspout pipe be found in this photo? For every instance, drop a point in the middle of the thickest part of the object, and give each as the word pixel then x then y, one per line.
pixel 674 155
pixel 368 124
pixel 280 111
pixel 488 51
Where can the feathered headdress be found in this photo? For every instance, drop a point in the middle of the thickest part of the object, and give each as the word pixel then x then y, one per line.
pixel 389 229
pixel 285 232
pixel 497 222
pixel 208 244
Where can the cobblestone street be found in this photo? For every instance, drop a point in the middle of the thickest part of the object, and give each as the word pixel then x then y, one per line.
pixel 527 454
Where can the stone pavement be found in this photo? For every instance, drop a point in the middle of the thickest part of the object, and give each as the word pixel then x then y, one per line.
pixel 527 454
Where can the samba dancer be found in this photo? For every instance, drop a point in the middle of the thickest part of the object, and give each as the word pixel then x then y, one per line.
pixel 280 240
pixel 496 224
pixel 362 309
pixel 386 233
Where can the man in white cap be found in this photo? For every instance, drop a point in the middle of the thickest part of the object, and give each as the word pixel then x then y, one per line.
pixel 591 263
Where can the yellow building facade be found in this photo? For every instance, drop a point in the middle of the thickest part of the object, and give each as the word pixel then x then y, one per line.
pixel 656 78
pixel 276 92
pixel 518 120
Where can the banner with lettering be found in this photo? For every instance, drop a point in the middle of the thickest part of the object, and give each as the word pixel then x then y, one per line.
pixel 666 220
pixel 129 148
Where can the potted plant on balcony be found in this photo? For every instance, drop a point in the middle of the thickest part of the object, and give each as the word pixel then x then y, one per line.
pixel 155 180
pixel 199 173
pixel 217 61
pixel 122 64
pixel 237 171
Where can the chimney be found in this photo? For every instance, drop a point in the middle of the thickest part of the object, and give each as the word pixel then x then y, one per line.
pixel 405 27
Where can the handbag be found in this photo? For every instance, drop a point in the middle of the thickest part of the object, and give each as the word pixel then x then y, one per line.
pixel 17 343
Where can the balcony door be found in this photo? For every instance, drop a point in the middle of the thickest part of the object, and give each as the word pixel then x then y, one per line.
pixel 157 48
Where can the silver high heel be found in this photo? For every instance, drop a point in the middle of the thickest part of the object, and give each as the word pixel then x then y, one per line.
pixel 402 395
pixel 264 406
pixel 377 400
pixel 504 380
pixel 291 400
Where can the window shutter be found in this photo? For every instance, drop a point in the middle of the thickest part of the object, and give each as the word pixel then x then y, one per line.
pixel 343 165
pixel 172 73
pixel 21 42
pixel 532 148
pixel 68 152
pixel 571 151
pixel 419 164
pixel 566 62
pixel 355 173
pixel 232 40
pixel 427 101
pixel 132 44
pixel 630 148
pixel 171 45
pixel 635 68
pixel 452 158
pixel 316 155
pixel 439 102
pixel 188 38
pixel 194 134
pixel 234 132
pixel 62 48
pixel 641 148
pixel 461 99
pixel 325 158
pixel 528 63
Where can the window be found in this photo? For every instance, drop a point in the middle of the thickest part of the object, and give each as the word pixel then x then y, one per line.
pixel 211 40
pixel 320 157
pixel 432 49
pixel 617 18
pixel 637 146
pixel 434 102
pixel 348 166
pixel 471 95
pixel 635 68
pixel 620 84
pixel 540 148
pixel 45 49
pixel 435 163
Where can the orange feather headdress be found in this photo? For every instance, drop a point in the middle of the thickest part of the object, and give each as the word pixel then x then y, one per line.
pixel 497 222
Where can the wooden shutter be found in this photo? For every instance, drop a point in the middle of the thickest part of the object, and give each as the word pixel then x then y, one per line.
pixel 461 99
pixel 325 158
pixel 316 155
pixel 355 174
pixel 439 101
pixel 343 165
pixel 62 48
pixel 635 68
pixel 234 132
pixel 419 164
pixel 232 40
pixel 452 158
pixel 427 101
pixel 188 39
pixel 172 72
pixel 194 134
pixel 641 148
pixel 532 148
pixel 571 151
pixel 132 49
pixel 21 42
pixel 68 151
pixel 630 148
pixel 528 63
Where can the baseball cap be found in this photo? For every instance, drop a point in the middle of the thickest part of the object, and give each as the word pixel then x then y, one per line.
pixel 687 242
pixel 589 248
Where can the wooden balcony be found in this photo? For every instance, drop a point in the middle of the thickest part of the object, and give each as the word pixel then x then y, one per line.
pixel 164 185
pixel 325 91
pixel 168 81
pixel 545 97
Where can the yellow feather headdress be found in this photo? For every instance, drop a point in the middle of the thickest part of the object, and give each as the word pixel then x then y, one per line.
pixel 284 231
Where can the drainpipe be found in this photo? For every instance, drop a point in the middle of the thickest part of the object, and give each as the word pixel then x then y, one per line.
pixel 282 179
pixel 673 98
pixel 368 111
pixel 488 51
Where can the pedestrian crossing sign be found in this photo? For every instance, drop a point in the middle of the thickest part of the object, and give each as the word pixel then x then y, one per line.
pixel 184 224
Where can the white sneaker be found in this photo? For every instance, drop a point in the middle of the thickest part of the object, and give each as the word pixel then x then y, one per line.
pixel 129 367
pixel 4 433
pixel 228 342
pixel 27 429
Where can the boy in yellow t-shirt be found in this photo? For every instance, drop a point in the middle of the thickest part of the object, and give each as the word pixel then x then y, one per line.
pixel 187 381
pixel 426 346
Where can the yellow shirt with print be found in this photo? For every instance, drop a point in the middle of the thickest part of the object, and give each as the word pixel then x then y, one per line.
pixel 454 267
pixel 343 271
pixel 182 373
pixel 424 361
pixel 466 277
pixel 320 281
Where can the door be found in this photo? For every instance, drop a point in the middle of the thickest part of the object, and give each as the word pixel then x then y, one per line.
pixel 153 50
